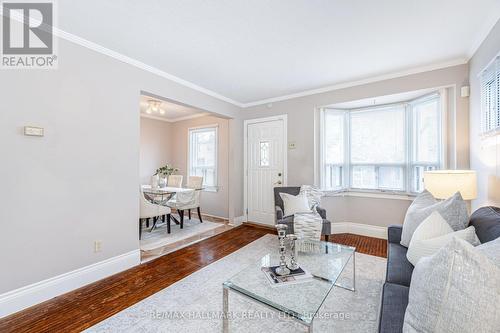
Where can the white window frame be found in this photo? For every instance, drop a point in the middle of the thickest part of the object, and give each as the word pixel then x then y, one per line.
pixel 490 116
pixel 215 127
pixel 409 163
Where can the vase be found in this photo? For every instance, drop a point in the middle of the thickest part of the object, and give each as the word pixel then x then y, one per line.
pixel 155 180
pixel 163 181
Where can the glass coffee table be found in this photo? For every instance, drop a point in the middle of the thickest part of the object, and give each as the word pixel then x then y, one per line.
pixel 302 300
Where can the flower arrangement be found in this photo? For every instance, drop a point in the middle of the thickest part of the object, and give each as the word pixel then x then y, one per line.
pixel 166 171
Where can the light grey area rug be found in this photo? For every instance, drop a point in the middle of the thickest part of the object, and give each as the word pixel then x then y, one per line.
pixel 194 304
pixel 159 237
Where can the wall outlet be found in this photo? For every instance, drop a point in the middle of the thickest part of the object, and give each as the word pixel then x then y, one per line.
pixel 97 246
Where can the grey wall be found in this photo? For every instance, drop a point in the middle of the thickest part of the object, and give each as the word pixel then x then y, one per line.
pixel 212 203
pixel 484 152
pixel 156 147
pixel 300 113
pixel 80 182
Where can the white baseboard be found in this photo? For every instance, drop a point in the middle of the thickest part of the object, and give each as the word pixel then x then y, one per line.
pixel 24 297
pixel 215 216
pixel 359 229
pixel 238 220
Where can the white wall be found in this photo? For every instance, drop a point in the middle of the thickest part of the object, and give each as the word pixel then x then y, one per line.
pixel 156 147
pixel 300 111
pixel 484 153
pixel 80 182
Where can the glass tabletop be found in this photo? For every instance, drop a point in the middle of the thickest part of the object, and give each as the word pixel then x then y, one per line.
pixel 303 299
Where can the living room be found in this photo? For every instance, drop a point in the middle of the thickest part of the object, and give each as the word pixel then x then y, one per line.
pixel 371 128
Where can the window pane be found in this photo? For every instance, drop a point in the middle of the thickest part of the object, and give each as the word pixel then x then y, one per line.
pixel 391 178
pixel 334 137
pixel 378 136
pixel 364 177
pixel 426 131
pixel 418 177
pixel 264 153
pixel 202 154
pixel 333 175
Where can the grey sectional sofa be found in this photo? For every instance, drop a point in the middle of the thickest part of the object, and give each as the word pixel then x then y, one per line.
pixel 486 221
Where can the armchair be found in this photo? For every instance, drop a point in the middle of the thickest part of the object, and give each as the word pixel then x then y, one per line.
pixel 288 220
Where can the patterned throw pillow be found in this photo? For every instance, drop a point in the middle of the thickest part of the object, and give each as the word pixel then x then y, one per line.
pixel 313 195
pixel 455 290
pixel 453 210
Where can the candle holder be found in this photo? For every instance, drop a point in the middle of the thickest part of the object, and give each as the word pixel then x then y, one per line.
pixel 282 269
pixel 293 262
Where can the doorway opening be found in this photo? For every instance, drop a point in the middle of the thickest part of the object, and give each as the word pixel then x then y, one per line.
pixel 183 168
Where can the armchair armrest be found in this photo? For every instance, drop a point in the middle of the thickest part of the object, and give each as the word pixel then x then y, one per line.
pixel 321 212
pixel 394 233
pixel 279 213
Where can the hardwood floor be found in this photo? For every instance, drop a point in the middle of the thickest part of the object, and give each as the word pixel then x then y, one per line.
pixel 84 307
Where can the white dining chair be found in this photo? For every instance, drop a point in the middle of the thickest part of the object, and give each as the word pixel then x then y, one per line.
pixel 188 200
pixel 174 181
pixel 150 210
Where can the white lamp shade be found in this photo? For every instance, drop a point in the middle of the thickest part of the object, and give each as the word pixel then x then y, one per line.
pixel 444 183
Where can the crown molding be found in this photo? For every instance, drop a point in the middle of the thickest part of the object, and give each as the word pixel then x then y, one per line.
pixel 373 79
pixel 174 120
pixel 123 58
pixel 139 64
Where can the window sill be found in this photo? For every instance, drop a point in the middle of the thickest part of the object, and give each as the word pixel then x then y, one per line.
pixel 370 194
pixel 211 189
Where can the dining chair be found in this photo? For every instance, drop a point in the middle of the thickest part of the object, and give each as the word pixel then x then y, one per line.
pixel 174 181
pixel 150 210
pixel 188 200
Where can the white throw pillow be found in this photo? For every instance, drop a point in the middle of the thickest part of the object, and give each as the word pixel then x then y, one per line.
pixel 455 290
pixel 433 234
pixel 294 203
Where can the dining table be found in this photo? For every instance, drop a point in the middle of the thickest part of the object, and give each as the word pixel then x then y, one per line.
pixel 160 195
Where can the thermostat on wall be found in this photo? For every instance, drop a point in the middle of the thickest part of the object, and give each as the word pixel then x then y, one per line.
pixel 33 131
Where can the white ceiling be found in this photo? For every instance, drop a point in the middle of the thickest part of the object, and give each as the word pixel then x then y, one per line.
pixel 172 111
pixel 255 50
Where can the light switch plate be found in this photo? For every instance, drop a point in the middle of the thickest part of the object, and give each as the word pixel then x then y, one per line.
pixel 33 131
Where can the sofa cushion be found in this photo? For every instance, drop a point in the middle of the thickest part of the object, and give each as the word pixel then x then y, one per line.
pixel 399 269
pixel 392 310
pixel 491 249
pixel 453 210
pixel 433 234
pixel 486 220
pixel 455 290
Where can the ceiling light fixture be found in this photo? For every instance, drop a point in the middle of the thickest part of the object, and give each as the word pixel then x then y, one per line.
pixel 154 107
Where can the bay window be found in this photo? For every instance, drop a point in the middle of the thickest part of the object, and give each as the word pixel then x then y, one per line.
pixel 380 148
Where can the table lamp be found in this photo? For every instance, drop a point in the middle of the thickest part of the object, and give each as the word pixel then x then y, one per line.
pixel 444 183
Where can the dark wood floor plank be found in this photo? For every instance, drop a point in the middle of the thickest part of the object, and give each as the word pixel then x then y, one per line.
pixel 84 307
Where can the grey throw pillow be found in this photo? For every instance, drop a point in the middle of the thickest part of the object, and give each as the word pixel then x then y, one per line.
pixel 453 210
pixel 492 250
pixel 455 290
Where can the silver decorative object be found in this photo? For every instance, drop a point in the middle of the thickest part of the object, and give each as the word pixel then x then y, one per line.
pixel 293 262
pixel 282 269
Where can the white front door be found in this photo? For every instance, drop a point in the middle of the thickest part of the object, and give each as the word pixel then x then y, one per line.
pixel 266 148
